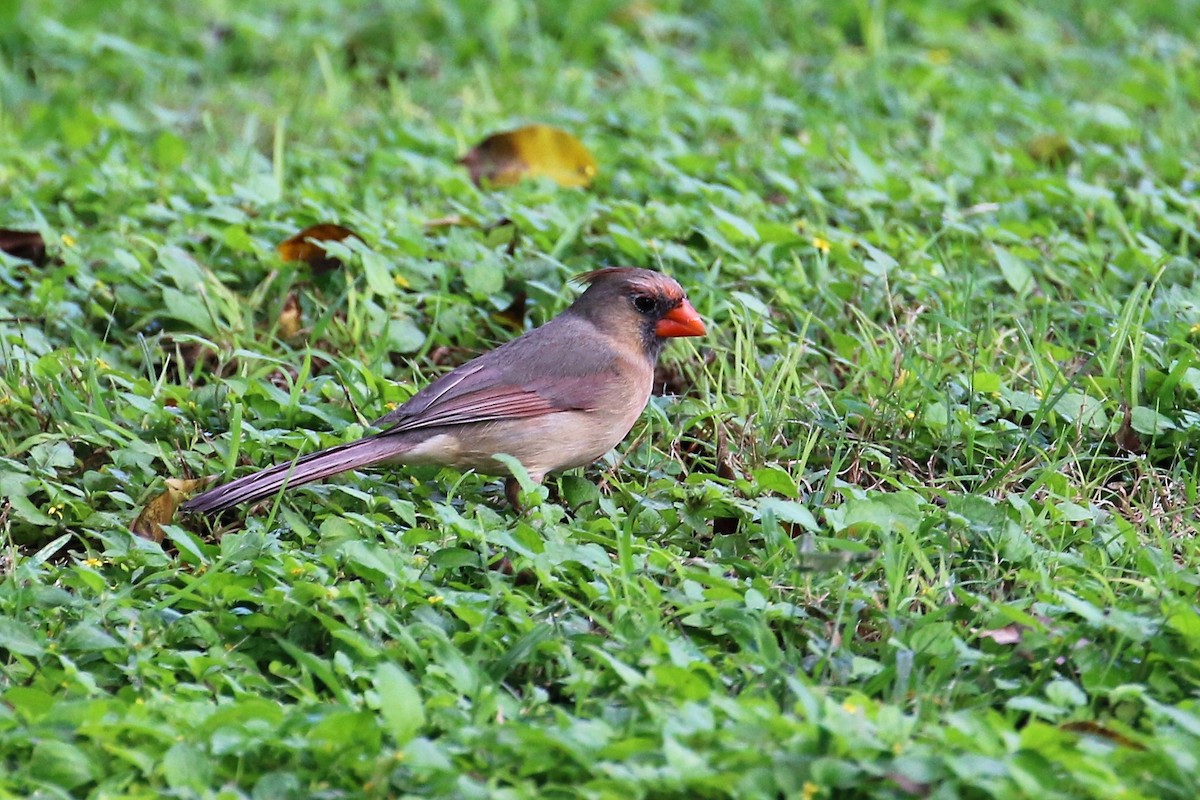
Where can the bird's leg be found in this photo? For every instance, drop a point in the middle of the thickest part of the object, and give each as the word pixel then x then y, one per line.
pixel 512 491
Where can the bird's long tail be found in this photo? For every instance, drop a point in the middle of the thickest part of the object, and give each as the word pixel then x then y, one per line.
pixel 312 467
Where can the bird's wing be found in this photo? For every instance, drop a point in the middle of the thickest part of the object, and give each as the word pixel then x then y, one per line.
pixel 513 381
pixel 485 405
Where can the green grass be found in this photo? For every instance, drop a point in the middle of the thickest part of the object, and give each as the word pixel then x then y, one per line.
pixel 891 536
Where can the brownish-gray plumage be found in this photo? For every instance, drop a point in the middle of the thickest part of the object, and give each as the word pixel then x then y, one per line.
pixel 560 396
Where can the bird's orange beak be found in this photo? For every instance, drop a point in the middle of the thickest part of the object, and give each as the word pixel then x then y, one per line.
pixel 682 320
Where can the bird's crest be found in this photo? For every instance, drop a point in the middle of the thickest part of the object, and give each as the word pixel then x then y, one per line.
pixel 646 280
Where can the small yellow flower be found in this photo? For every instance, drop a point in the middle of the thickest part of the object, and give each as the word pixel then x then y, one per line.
pixel 419 559
pixel 910 414
pixel 93 562
pixel 391 406
pixel 68 240
pixel 55 510
pixel 435 599
pixel 1038 394
pixel 939 57
pixel 1195 328
pixel 809 790
pixel 901 377
pixel 297 571
pixel 821 244
pixel 401 281
pixel 849 708
pixel 102 364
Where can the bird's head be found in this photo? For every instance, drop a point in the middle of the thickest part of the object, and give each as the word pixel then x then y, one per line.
pixel 630 299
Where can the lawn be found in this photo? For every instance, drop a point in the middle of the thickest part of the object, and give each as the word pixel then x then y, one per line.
pixel 916 519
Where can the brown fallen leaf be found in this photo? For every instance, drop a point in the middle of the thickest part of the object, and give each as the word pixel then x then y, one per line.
pixel 161 508
pixel 504 159
pixel 28 245
pixel 304 246
pixel 290 321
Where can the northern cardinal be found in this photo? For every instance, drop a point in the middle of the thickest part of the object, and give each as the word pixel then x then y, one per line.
pixel 560 396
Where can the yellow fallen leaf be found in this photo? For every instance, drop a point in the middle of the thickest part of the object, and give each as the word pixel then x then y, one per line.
pixel 161 508
pixel 504 159
pixel 303 246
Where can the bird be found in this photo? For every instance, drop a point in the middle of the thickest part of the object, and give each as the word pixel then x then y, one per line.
pixel 557 397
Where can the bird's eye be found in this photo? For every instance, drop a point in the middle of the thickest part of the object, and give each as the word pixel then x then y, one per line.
pixel 644 304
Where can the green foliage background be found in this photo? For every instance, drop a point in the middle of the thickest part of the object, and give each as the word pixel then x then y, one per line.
pixel 920 522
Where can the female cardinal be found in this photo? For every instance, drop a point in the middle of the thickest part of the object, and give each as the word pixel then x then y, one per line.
pixel 560 396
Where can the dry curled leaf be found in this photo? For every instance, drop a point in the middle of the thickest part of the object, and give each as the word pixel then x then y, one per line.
pixel 1090 728
pixel 1127 438
pixel 161 508
pixel 451 221
pixel 1009 634
pixel 504 159
pixel 28 245
pixel 290 321
pixel 304 246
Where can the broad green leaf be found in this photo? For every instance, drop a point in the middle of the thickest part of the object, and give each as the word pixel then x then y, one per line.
pixel 774 479
pixel 790 511
pixel 189 308
pixel 737 229
pixel 399 703
pixel 17 637
pixel 888 512
pixel 1150 422
pixel 184 766
pixel 986 382
pixel 1016 272
pixel 1082 410
pixel 87 637
pixel 181 267
pixel 62 764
